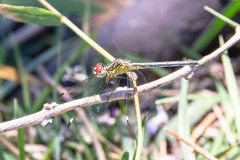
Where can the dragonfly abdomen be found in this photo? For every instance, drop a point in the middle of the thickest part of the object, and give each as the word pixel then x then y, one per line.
pixel 163 64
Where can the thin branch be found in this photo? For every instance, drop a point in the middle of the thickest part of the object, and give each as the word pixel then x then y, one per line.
pixel 42 115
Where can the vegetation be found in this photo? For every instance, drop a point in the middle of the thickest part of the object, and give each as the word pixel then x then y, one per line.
pixel 203 114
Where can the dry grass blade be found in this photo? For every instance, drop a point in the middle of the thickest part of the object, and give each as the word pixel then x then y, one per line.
pixel 191 144
pixel 203 125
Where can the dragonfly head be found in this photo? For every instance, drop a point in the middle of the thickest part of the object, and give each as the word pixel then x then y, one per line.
pixel 99 70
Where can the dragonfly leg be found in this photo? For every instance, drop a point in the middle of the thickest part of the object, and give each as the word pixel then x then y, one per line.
pixel 133 75
pixel 106 86
pixel 113 88
pixel 190 75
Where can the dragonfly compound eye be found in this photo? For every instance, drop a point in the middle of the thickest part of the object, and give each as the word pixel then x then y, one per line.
pixel 98 70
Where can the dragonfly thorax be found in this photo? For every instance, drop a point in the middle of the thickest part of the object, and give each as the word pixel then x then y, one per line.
pixel 117 67
pixel 99 70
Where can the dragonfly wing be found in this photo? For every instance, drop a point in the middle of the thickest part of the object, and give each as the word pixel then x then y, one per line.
pixel 101 112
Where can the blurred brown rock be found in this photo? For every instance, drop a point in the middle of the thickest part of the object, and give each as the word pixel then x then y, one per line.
pixel 149 27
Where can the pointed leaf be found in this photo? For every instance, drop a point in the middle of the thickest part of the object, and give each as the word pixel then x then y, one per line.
pixel 30 15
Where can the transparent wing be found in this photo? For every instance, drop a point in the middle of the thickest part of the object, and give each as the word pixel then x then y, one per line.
pixel 101 112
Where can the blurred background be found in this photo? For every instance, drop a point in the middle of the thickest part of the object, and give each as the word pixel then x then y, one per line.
pixel 37 63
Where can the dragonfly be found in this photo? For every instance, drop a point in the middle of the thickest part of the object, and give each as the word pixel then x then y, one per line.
pixel 122 66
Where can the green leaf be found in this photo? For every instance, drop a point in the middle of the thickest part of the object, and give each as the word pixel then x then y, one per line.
pixel 30 15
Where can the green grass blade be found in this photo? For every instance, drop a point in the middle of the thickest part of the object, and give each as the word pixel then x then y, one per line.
pixel 87 12
pixel 57 148
pixel 229 115
pixel 215 26
pixel 30 15
pixel 223 18
pixel 49 151
pixel 21 134
pixel 21 143
pixel 1 153
pixel 183 119
pixel 2 54
pixel 225 102
pixel 232 87
pixel 23 78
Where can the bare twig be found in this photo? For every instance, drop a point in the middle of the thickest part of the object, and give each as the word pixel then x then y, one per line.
pixel 38 117
pixel 191 144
